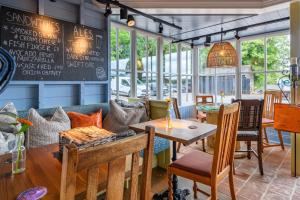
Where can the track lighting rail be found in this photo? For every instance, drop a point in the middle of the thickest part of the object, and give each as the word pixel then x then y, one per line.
pixel 239 29
pixel 155 19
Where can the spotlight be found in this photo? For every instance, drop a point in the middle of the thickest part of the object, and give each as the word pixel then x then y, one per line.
pixel 123 13
pixel 237 35
pixel 160 28
pixel 192 45
pixel 130 21
pixel 207 41
pixel 107 10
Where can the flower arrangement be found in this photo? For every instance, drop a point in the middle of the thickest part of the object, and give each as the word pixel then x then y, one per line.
pixel 168 116
pixel 21 126
pixel 222 94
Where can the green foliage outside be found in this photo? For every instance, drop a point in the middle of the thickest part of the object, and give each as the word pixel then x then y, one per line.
pixel 278 54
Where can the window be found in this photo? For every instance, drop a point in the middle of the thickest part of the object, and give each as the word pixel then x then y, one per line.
pixel 170 77
pixel 146 66
pixel 214 81
pixel 186 76
pixel 263 61
pixel 120 63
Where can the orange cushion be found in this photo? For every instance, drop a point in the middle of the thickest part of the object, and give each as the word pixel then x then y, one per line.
pixel 267 121
pixel 196 162
pixel 82 120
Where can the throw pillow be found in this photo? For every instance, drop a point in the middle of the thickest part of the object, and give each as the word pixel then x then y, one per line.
pixel 118 118
pixel 7 142
pixel 138 105
pixel 9 107
pixel 82 120
pixel 45 131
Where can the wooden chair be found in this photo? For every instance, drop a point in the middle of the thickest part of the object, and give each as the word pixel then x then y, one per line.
pixel 250 127
pixel 178 116
pixel 270 98
pixel 211 169
pixel 113 153
pixel 203 100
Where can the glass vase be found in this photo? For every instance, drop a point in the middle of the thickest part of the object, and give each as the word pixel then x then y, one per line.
pixel 168 118
pixel 19 155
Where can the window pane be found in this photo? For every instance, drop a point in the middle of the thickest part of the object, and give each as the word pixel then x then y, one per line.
pixel 113 50
pixel 124 50
pixel 152 49
pixel 226 86
pixel 278 53
pixel 174 89
pixel 124 85
pixel 152 85
pixel 166 57
pixel 277 81
pixel 184 60
pixel 141 47
pixel 206 84
pixel 113 85
pixel 253 85
pixel 187 96
pixel 166 85
pixel 174 59
pixel 253 55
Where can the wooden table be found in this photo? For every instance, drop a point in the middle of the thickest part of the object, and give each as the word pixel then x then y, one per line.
pixel 182 132
pixel 43 168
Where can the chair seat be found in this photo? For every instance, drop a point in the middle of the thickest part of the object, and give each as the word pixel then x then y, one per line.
pixel 201 115
pixel 267 121
pixel 196 162
pixel 247 135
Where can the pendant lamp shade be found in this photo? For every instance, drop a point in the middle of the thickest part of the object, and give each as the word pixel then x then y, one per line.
pixel 222 54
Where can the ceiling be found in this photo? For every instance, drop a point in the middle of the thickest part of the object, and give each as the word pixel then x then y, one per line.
pixel 197 21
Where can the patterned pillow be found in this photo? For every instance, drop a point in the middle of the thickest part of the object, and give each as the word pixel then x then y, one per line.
pixel 45 131
pixel 9 107
pixel 118 118
pixel 7 142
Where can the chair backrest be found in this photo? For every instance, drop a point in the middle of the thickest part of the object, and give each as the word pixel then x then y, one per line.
pixel 270 98
pixel 114 154
pixel 250 114
pixel 225 139
pixel 176 108
pixel 204 99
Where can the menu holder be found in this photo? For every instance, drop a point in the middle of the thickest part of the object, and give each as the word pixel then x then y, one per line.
pixel 84 137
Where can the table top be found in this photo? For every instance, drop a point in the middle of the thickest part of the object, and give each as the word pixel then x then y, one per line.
pixel 181 130
pixel 43 168
pixel 211 107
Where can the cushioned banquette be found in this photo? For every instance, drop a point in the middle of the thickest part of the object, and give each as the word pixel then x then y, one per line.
pixel 160 144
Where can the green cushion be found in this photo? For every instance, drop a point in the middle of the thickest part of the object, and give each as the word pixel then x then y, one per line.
pixel 158 109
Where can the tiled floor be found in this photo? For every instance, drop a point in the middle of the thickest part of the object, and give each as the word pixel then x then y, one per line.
pixel 276 184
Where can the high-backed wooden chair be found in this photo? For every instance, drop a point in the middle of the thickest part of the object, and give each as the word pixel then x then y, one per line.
pixel 211 169
pixel 250 127
pixel 178 116
pixel 202 99
pixel 270 98
pixel 114 154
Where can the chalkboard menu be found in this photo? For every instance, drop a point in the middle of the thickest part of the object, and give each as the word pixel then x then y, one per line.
pixel 49 49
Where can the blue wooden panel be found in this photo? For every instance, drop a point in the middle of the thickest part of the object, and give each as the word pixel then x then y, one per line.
pixel 95 93
pixel 63 95
pixel 23 96
pixel 188 111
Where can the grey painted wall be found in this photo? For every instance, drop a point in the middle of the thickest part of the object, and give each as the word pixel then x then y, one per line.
pixel 43 94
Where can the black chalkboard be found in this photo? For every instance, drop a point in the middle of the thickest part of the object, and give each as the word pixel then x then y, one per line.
pixel 54 50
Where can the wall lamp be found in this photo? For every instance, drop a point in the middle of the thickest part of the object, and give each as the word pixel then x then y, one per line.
pixel 120 5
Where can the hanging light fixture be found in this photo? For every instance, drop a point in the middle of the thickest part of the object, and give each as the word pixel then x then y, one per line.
pixel 222 54
pixel 107 10
pixel 130 21
pixel 207 41
pixel 123 13
pixel 160 28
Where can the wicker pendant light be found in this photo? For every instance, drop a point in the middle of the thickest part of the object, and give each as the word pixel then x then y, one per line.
pixel 222 54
